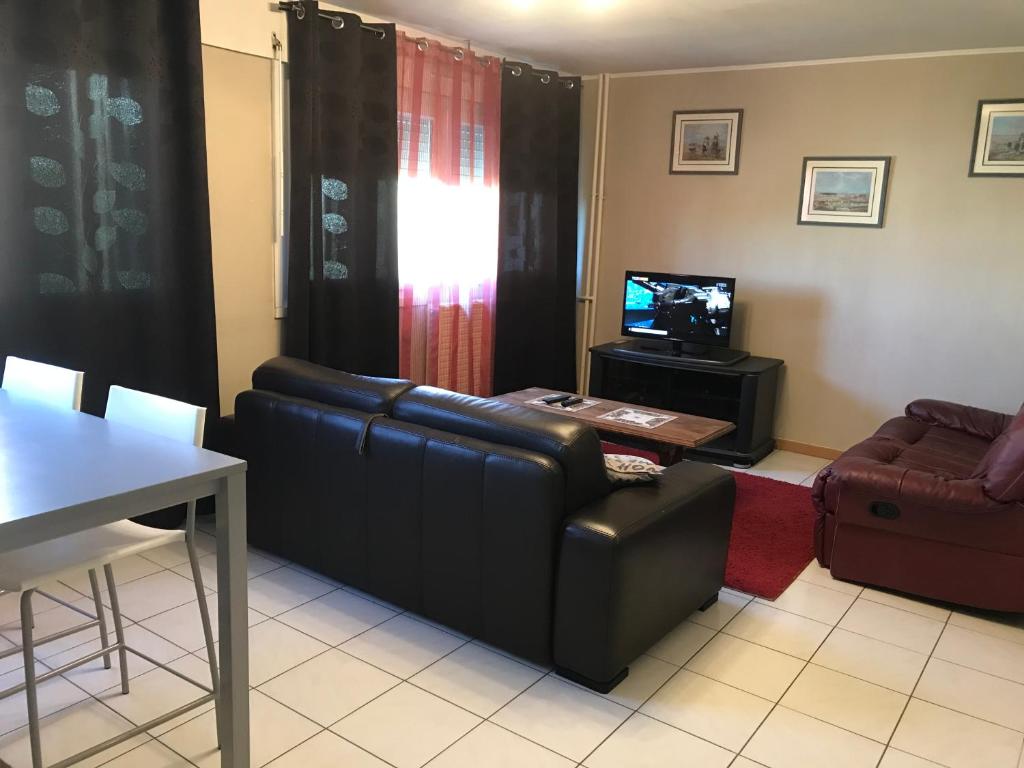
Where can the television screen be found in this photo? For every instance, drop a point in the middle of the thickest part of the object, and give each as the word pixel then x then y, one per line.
pixel 689 308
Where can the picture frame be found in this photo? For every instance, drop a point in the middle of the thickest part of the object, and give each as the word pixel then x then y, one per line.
pixel 844 191
pixel 998 148
pixel 706 141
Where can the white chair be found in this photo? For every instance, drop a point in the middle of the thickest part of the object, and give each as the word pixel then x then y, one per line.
pixel 59 387
pixel 25 570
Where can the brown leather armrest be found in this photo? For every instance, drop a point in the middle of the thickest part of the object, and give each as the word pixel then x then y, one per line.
pixel 865 481
pixel 979 422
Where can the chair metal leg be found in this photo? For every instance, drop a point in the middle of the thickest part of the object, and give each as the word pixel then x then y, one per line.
pixel 94 582
pixel 204 609
pixel 31 700
pixel 115 609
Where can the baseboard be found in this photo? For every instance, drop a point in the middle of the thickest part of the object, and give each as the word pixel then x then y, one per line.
pixel 807 449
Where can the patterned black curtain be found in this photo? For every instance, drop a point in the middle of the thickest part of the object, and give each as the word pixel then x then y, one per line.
pixel 535 316
pixel 343 232
pixel 104 216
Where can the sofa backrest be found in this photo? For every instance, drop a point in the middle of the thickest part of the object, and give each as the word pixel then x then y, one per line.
pixel 460 530
pixel 309 381
pixel 1002 467
pixel 574 445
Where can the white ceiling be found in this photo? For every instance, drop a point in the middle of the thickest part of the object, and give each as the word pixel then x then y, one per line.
pixel 591 36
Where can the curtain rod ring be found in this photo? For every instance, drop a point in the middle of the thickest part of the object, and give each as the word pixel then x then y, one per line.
pixel 569 84
pixel 300 12
pixel 459 54
pixel 545 78
pixel 338 22
pixel 422 43
pixel 516 70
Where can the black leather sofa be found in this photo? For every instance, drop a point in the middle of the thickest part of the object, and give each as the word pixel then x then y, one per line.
pixel 496 520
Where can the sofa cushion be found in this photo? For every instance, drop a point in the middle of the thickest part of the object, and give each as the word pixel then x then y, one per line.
pixel 942 451
pixel 1002 467
pixel 574 445
pixel 309 381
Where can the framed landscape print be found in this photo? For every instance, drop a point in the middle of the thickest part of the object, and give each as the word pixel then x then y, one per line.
pixel 844 191
pixel 999 138
pixel 706 141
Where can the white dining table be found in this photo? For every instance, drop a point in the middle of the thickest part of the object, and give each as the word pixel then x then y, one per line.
pixel 62 472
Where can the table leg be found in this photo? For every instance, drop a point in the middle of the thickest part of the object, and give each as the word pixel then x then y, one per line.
pixel 233 602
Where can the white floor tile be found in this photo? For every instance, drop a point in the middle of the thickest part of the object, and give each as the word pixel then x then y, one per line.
pixel 973 693
pixel 281 590
pixel 68 732
pixel 718 615
pixel 788 467
pixel 10 605
pixel 814 602
pixel 893 758
pixel 94 678
pixel 646 675
pixel 641 742
pixel 986 653
pixel 873 660
pixel 438 625
pixel 488 746
pixel 52 696
pixel 125 570
pixel 891 625
pixel 372 598
pixel 1006 626
pixel 780 630
pixel 906 603
pixel 329 687
pixel 336 617
pixel 680 645
pixel 175 554
pixel 789 739
pixel 150 595
pixel 152 754
pixel 406 726
pixel 744 762
pixel 256 565
pixel 853 704
pixel 327 750
pixel 273 730
pixel 562 717
pixel 49 622
pixel 752 668
pixel 815 574
pixel 157 692
pixel 714 711
pixel 522 660
pixel 275 648
pixel 476 679
pixel 402 646
pixel 954 739
pixel 184 627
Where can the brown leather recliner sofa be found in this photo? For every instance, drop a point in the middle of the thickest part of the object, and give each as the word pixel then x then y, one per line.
pixel 932 504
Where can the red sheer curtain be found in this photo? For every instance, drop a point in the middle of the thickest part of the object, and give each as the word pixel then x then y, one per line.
pixel 448 137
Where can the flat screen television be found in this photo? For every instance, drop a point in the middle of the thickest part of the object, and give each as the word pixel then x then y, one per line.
pixel 693 311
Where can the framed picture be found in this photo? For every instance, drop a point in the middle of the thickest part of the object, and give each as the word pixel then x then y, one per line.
pixel 998 138
pixel 706 141
pixel 844 191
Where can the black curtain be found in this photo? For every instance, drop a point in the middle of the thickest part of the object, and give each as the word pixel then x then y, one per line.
pixel 104 216
pixel 535 316
pixel 343 231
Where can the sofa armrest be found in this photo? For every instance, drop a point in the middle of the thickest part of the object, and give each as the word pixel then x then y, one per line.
pixel 636 563
pixel 864 481
pixel 979 422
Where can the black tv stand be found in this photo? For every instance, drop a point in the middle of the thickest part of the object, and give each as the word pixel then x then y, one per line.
pixel 743 392
pixel 697 353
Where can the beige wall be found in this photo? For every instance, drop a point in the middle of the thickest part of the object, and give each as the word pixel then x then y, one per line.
pixel 238 146
pixel 932 305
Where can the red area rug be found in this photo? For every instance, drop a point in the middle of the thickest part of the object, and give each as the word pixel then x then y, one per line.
pixel 772 535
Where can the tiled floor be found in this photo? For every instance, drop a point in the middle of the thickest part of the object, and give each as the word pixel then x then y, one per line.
pixel 830 674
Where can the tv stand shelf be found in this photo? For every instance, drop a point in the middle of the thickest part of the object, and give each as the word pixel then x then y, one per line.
pixel 743 393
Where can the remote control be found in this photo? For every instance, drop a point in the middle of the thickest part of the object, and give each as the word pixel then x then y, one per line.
pixel 571 401
pixel 552 399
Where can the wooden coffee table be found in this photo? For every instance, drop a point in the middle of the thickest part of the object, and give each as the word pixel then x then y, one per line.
pixel 683 431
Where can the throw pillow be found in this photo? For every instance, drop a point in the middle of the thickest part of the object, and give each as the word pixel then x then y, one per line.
pixel 630 470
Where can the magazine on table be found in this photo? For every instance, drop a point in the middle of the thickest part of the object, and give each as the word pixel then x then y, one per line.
pixel 635 417
pixel 558 406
